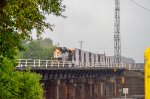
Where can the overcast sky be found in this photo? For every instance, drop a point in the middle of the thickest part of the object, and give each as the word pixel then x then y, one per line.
pixel 92 21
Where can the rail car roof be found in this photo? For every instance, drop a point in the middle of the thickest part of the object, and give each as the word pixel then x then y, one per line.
pixel 70 50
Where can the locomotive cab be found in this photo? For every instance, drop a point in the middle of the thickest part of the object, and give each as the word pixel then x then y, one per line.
pixel 63 54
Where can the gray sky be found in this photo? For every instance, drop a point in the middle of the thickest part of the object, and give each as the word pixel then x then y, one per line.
pixel 92 21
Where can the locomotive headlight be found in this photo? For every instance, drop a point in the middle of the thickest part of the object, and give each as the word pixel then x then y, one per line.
pixel 57 50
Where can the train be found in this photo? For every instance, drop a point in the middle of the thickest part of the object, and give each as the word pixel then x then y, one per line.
pixel 80 57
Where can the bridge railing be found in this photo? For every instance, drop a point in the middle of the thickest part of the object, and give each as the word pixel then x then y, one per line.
pixel 43 63
pixel 35 63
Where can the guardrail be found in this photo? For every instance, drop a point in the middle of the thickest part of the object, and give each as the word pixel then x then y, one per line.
pixel 61 64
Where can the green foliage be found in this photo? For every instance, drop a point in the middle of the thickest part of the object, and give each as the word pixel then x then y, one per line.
pixel 18 18
pixel 18 84
pixel 38 49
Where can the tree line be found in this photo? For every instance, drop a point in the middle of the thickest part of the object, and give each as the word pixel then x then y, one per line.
pixel 38 49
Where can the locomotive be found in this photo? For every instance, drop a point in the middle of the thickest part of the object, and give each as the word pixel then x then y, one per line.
pixel 80 57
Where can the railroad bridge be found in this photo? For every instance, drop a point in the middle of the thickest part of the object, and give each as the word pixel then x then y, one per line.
pixel 64 80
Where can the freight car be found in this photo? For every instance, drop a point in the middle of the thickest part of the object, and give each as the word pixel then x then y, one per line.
pixel 80 58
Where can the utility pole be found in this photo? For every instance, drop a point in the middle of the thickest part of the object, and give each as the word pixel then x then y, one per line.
pixel 81 42
pixel 117 39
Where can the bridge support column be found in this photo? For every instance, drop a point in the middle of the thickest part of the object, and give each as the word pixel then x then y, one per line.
pixel 52 89
pixel 107 89
pixel 57 88
pixel 67 89
pixel 104 88
pixel 80 88
pixel 89 88
pixel 71 89
pixel 96 88
pixel 101 89
pixel 48 90
pixel 111 86
pixel 100 83
pixel 63 89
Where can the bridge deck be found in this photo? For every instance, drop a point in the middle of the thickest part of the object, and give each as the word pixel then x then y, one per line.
pixel 54 70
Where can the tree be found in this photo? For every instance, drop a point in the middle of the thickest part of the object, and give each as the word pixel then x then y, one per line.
pixel 38 49
pixel 33 50
pixel 18 18
pixel 19 85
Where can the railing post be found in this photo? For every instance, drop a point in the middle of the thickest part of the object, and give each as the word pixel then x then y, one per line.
pixel 19 63
pixel 46 63
pixel 69 64
pixel 58 64
pixel 63 64
pixel 51 63
pixel 34 63
pixel 39 63
pixel 26 63
pixel 107 64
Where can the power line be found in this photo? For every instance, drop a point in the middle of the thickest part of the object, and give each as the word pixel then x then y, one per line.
pixel 140 5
